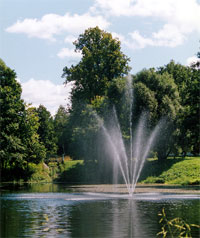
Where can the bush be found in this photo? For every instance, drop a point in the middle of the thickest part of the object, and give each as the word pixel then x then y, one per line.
pixel 176 227
pixel 152 179
pixel 39 173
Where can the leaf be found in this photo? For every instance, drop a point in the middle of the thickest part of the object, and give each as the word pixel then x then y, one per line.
pixel 188 226
pixel 180 227
pixel 182 233
pixel 194 225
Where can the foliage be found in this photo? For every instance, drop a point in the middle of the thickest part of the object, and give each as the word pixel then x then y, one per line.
pixel 102 61
pixel 35 151
pixel 158 95
pixel 187 81
pixel 46 130
pixel 39 173
pixel 175 227
pixel 196 65
pixel 19 139
pixel 83 133
pixel 28 135
pixel 61 124
pixel 11 119
pixel 94 78
pixel 192 122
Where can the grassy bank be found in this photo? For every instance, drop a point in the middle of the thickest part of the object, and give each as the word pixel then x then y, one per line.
pixel 182 171
pixel 71 171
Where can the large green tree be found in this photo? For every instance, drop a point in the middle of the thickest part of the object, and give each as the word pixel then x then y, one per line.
pixel 11 119
pixel 18 129
pixel 46 131
pixel 101 65
pixel 187 80
pixel 102 61
pixel 158 95
pixel 35 150
pixel 61 125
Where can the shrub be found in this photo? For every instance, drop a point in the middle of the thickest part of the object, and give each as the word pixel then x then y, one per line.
pixel 175 227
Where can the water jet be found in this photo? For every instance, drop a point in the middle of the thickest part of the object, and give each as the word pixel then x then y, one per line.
pixel 129 160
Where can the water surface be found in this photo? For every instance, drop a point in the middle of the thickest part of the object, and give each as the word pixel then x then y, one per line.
pixel 60 212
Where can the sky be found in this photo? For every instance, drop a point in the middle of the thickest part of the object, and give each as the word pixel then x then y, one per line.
pixel 36 38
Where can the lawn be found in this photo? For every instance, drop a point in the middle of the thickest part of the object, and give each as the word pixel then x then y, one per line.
pixel 183 171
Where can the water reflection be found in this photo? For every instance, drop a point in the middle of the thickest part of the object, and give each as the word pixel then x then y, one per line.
pixel 88 215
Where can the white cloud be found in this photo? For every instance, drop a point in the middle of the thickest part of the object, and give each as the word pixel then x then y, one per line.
pixel 118 36
pixel 46 93
pixel 18 80
pixel 182 11
pixel 168 36
pixel 65 52
pixel 191 60
pixel 112 7
pixel 51 25
pixel 138 41
pixel 70 39
pixel 179 17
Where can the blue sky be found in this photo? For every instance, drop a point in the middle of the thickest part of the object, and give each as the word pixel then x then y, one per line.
pixel 36 37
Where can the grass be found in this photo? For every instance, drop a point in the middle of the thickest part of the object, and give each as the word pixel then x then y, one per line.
pixel 180 171
pixel 77 171
pixel 172 171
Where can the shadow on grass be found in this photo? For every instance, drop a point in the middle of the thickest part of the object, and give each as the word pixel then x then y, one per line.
pixel 91 172
pixel 79 173
pixel 154 168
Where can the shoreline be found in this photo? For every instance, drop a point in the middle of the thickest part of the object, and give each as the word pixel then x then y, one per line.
pixel 110 188
pixel 140 188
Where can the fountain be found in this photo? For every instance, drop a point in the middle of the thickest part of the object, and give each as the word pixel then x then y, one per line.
pixel 129 161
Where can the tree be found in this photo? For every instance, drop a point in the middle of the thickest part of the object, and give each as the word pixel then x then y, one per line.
pixel 196 65
pixel 187 81
pixel 61 130
pixel 192 120
pixel 158 95
pixel 11 119
pixel 18 133
pixel 35 150
pixel 46 131
pixel 102 61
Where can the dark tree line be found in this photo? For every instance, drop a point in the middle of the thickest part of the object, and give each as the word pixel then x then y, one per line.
pixel 32 135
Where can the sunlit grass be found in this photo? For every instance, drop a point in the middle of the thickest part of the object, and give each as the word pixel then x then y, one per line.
pixel 173 171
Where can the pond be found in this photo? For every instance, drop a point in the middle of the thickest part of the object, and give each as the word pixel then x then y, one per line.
pixel 59 211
